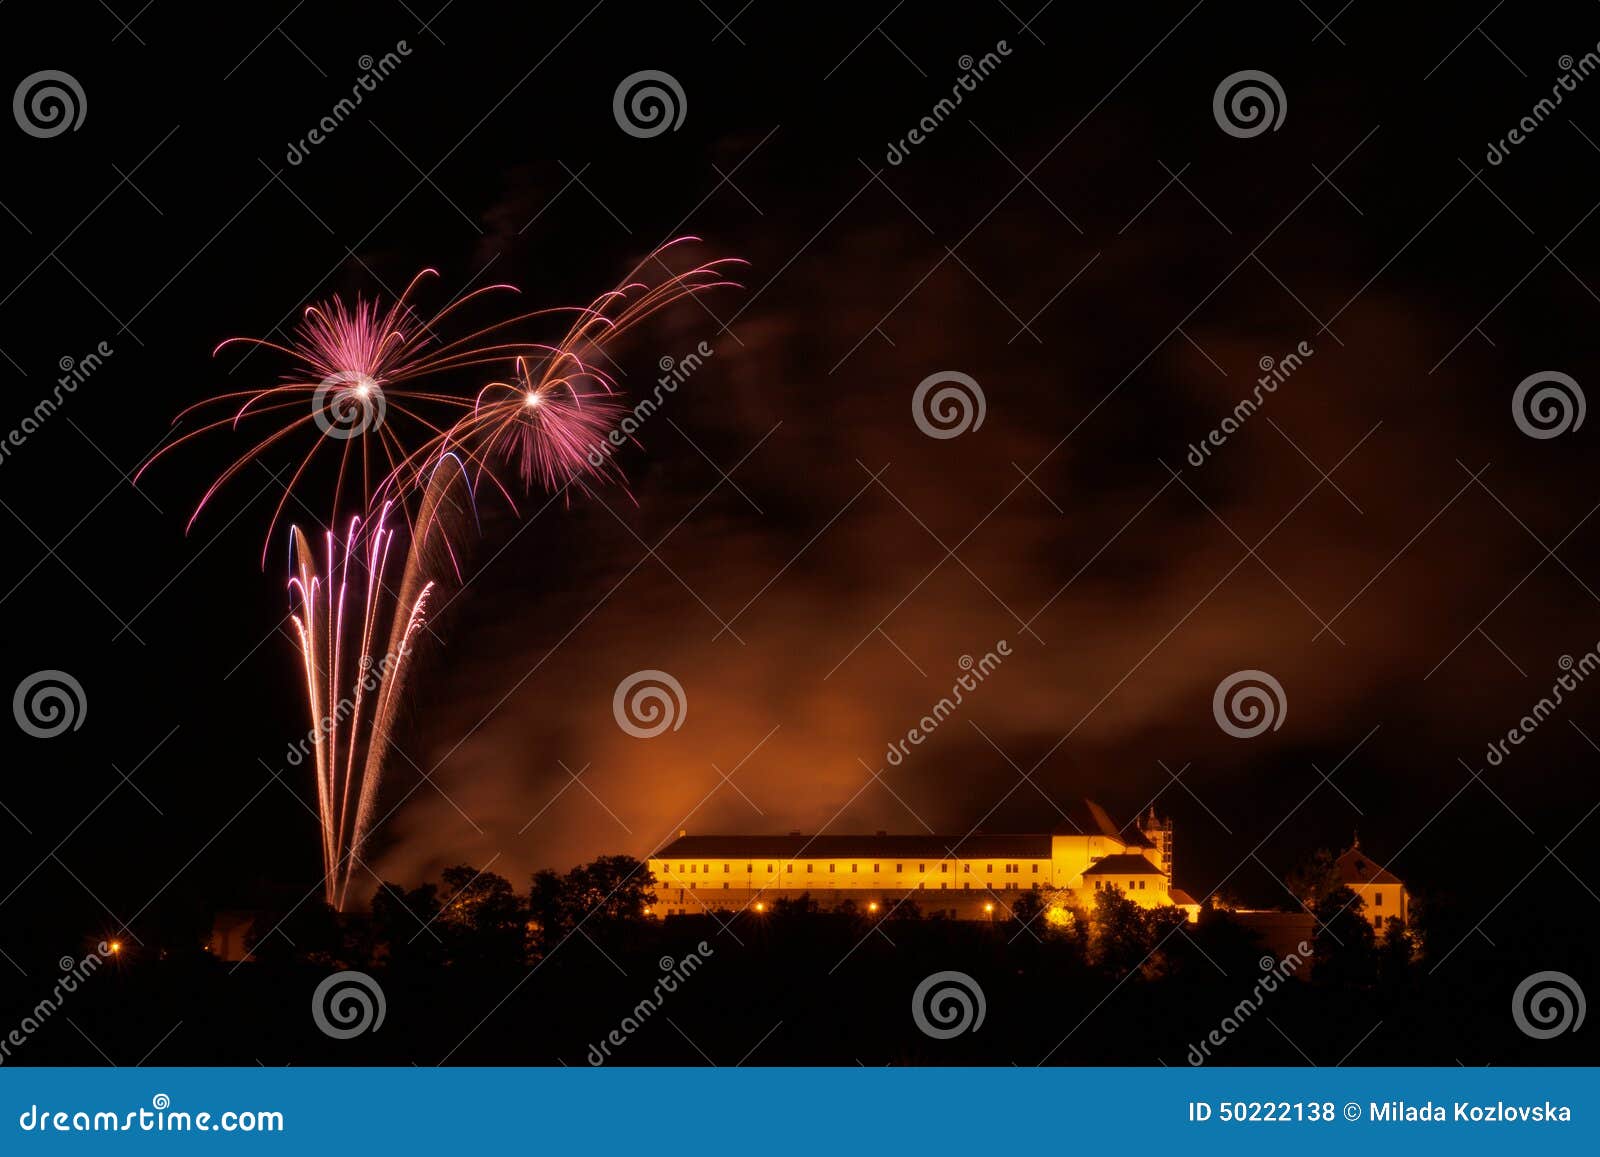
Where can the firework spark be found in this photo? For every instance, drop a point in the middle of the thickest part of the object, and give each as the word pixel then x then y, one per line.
pixel 354 389
pixel 351 686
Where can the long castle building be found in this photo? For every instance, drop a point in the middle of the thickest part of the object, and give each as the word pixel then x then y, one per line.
pixel 972 877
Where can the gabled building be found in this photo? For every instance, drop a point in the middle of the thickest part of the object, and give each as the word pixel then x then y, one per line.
pixel 965 877
pixel 1383 895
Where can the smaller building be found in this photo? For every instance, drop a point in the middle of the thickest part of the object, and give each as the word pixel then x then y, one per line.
pixel 1382 894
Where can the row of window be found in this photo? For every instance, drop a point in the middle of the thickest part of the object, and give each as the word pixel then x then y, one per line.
pixel 922 887
pixel 1107 885
pixel 1008 869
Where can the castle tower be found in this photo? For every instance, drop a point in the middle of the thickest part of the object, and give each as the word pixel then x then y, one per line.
pixel 1159 832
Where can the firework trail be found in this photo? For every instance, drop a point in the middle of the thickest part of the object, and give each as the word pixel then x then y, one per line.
pixel 339 609
pixel 356 388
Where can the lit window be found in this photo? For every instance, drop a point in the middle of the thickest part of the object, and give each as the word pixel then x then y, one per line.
pixel 874 867
pixel 769 867
pixel 852 867
pixel 680 869
pixel 966 887
pixel 830 867
pixel 725 869
pixel 810 867
pixel 942 887
pixel 922 867
pixel 1036 869
pixel 967 868
pixel 1377 898
pixel 990 869
pixel 791 869
pixel 708 867
pixel 899 867
pixel 944 867
pixel 692 867
pixel 922 887
pixel 752 867
pixel 725 886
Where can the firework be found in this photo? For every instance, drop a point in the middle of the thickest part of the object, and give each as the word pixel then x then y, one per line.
pixel 339 610
pixel 552 418
pixel 356 390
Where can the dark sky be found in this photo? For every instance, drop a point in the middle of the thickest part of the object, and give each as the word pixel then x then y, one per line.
pixel 1080 237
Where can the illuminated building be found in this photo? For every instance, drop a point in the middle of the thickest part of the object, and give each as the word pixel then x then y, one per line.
pixel 972 877
pixel 1382 894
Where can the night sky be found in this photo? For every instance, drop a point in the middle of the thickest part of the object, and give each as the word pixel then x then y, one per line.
pixel 1080 237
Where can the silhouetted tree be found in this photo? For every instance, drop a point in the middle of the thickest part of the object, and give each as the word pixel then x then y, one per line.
pixel 482 920
pixel 610 888
pixel 402 925
pixel 1315 878
pixel 1121 935
pixel 1343 942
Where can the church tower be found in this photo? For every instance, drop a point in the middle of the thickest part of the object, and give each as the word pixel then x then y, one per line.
pixel 1159 832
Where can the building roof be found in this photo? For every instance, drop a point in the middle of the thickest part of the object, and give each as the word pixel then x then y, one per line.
pixel 1087 818
pixel 1124 865
pixel 1180 897
pixel 1356 867
pixel 865 847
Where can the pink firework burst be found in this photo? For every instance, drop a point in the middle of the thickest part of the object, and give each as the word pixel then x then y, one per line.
pixel 354 391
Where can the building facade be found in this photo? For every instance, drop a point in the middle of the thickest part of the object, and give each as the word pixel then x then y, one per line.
pixel 972 877
pixel 1383 896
